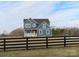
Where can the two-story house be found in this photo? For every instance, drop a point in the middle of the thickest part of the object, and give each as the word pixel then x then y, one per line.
pixel 37 28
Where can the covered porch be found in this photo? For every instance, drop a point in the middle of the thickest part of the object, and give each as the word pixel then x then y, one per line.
pixel 30 33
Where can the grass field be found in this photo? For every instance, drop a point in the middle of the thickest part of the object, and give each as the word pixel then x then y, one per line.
pixel 50 52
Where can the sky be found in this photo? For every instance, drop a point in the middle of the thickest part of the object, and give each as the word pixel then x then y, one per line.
pixel 60 13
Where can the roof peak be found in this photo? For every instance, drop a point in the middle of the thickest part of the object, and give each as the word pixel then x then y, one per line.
pixel 39 20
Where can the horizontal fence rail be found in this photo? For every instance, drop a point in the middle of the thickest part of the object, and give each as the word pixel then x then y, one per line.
pixel 27 43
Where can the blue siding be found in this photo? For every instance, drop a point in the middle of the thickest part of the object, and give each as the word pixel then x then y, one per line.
pixel 44 30
pixel 27 21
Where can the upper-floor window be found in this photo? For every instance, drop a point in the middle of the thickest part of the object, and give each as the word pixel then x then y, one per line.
pixel 44 25
pixel 27 25
pixel 40 31
pixel 34 25
pixel 48 31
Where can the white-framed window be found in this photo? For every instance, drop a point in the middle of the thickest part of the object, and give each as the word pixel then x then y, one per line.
pixel 34 25
pixel 40 31
pixel 44 25
pixel 27 25
pixel 48 31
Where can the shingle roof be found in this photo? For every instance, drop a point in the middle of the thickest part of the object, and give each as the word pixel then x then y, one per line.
pixel 41 20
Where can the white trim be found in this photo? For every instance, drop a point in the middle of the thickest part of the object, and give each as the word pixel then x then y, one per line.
pixel 47 31
pixel 34 21
pixel 34 25
pixel 44 25
pixel 41 24
pixel 30 20
pixel 28 25
pixel 30 34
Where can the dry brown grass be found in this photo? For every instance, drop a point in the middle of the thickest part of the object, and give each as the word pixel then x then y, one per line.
pixel 50 52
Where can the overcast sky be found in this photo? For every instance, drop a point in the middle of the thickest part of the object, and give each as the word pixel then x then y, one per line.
pixel 60 13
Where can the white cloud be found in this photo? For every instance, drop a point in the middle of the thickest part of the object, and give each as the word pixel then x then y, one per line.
pixel 64 18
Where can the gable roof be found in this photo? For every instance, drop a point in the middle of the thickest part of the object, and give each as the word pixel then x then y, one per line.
pixel 39 21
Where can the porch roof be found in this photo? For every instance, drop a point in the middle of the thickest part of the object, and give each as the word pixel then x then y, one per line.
pixel 31 29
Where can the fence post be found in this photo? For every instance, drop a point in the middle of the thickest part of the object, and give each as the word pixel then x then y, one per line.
pixel 4 45
pixel 64 41
pixel 46 42
pixel 26 43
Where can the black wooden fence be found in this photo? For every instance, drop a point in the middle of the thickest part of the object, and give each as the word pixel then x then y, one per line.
pixel 14 43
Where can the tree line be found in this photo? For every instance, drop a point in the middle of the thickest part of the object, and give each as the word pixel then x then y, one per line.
pixel 55 32
pixel 66 31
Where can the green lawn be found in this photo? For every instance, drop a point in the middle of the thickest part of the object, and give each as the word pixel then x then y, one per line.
pixel 50 52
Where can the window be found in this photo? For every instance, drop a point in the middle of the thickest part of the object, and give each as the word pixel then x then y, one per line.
pixel 28 31
pixel 40 31
pixel 34 25
pixel 27 25
pixel 47 31
pixel 44 25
